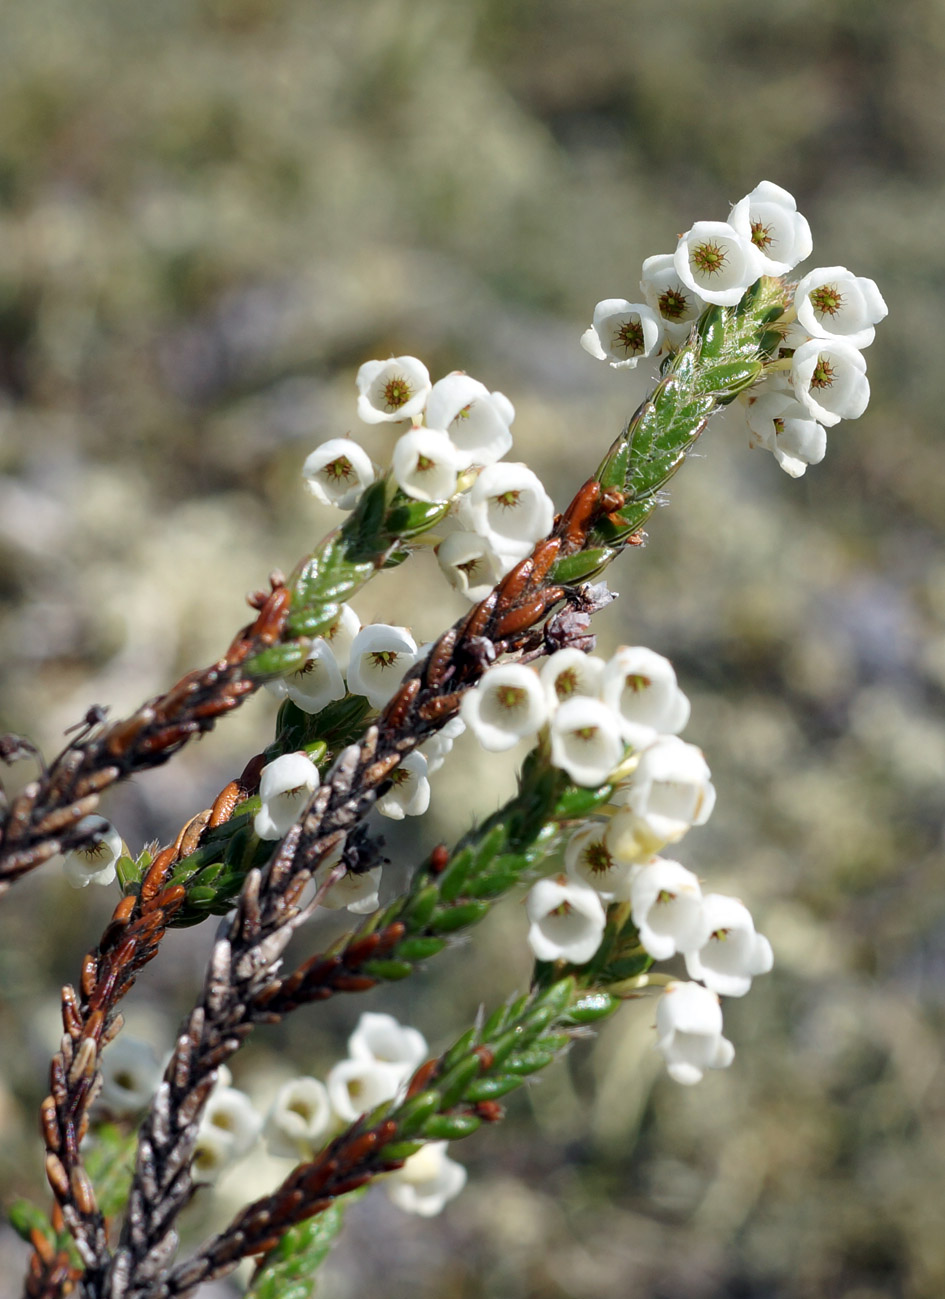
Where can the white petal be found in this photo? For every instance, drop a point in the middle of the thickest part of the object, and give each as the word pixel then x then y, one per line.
pixel 425 464
pixel 507 705
pixel 717 262
pixel 337 472
pixel 380 657
pixel 392 390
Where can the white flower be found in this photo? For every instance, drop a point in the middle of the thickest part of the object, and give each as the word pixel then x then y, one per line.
pixel 570 672
pixel 732 953
pixel 131 1072
pixel 586 740
pixel 717 262
pixel 476 419
pixel 666 905
pixel 668 792
pixel 509 507
pixel 213 1152
pixel 623 333
pixel 285 785
pixel 469 564
pixel 437 747
pixel 356 891
pixel 678 305
pixel 300 1115
pixel 830 382
pixel 689 1029
pixel 380 657
pixel 337 472
pixel 831 302
pixel 640 685
pixel 392 390
pixel 425 464
pixel 588 858
pixel 384 1039
pixel 95 864
pixel 507 705
pixel 780 424
pixel 427 1181
pixel 768 216
pixel 566 918
pixel 316 683
pixel 409 794
pixel 341 633
pixel 230 1113
pixel 356 1086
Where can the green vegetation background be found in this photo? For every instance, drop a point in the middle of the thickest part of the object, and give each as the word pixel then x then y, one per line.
pixel 210 214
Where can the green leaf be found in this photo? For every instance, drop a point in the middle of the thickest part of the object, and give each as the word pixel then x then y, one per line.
pixel 451 1127
pixel 459 916
pixel 288 1270
pixel 110 1162
pixel 25 1217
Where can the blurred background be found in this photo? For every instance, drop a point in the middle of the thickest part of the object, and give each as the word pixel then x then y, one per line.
pixel 211 212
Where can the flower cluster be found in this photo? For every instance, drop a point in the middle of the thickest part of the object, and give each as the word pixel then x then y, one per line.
pixel 618 721
pixel 818 376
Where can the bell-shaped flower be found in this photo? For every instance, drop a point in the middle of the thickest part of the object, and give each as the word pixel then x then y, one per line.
pixel 476 419
pixel 437 748
pixel 768 216
pixel 669 791
pixel 677 305
pixel 666 905
pixel 586 740
pixel 570 672
pixel 780 424
pixel 717 262
pixel 831 302
pixel 357 891
pixel 425 464
pixel 96 863
pixel 623 333
pixel 212 1154
pixel 383 1038
pixel 829 378
pixel 337 472
pixel 356 1086
pixel 469 564
pixel 689 1032
pixel 340 635
pixel 231 1114
pixel 427 1181
pixel 409 794
pixel 506 706
pixel 640 685
pixel 285 786
pixel 392 390
pixel 509 507
pixel 566 919
pixel 131 1072
pixel 316 683
pixel 588 858
pixel 380 657
pixel 733 953
pixel 298 1119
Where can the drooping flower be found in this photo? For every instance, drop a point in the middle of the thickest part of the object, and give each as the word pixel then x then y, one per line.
pixel 733 953
pixel 832 302
pixel 337 472
pixel 285 786
pixel 689 1032
pixel 427 1181
pixel 340 635
pixel 678 305
pixel 717 262
pixel 566 918
pixel 829 378
pixel 506 706
pixel 586 740
pixel 358 1085
pixel 640 685
pixel 131 1073
pixel 666 905
pixel 425 464
pixel 316 683
pixel 469 564
pixel 668 792
pixel 298 1119
pixel 383 1038
pixel 380 657
pixel 409 794
pixel 588 858
pixel 96 863
pixel 476 419
pixel 623 333
pixel 228 1127
pixel 769 218
pixel 357 891
pixel 570 672
pixel 509 507
pixel 437 747
pixel 392 390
